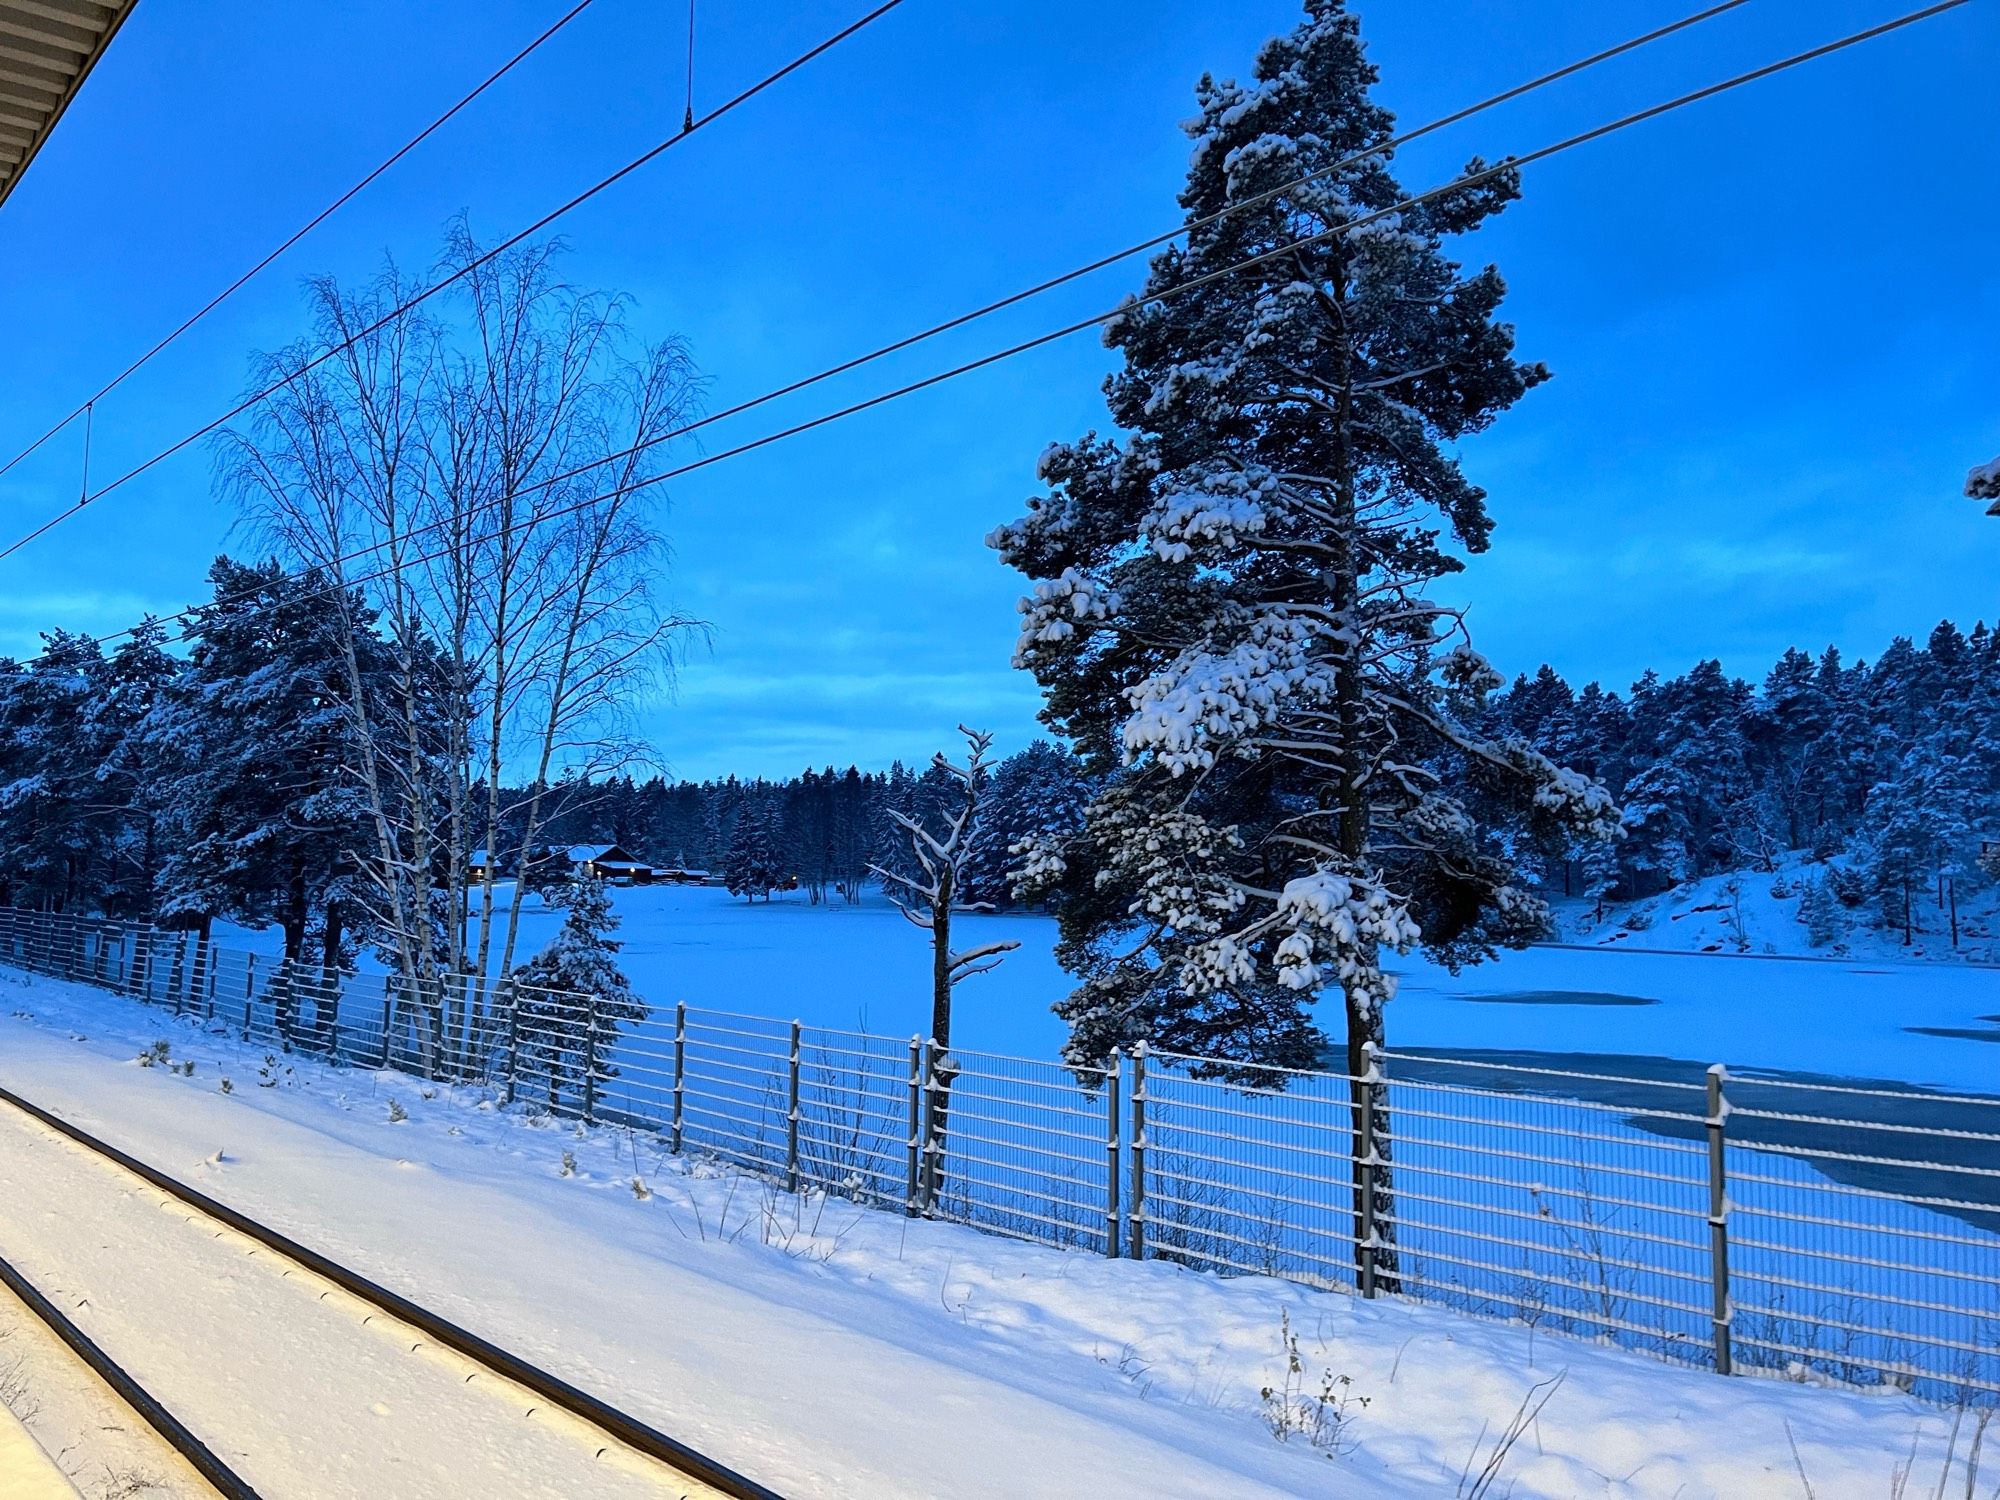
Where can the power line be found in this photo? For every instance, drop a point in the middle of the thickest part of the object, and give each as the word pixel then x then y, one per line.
pixel 1457 184
pixel 1102 262
pixel 1386 146
pixel 413 302
pixel 318 219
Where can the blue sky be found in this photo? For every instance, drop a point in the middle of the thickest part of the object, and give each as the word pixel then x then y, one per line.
pixel 1771 317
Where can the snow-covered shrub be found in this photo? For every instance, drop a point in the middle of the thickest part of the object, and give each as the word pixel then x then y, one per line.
pixel 397 1114
pixel 1820 911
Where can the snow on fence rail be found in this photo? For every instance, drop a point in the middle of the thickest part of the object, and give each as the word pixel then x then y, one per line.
pixel 1808 1228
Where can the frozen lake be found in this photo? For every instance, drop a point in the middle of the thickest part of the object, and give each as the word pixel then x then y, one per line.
pixel 864 967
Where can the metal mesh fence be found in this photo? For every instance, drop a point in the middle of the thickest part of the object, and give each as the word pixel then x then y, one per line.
pixel 1807 1228
pixel 1862 1235
pixel 1023 1146
pixel 1565 1211
pixel 1251 1171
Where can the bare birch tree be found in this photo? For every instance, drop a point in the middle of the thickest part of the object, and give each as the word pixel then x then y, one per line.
pixel 480 478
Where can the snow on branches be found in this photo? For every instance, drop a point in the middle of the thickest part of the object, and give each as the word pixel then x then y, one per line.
pixel 928 897
pixel 1207 698
pixel 1054 609
pixel 1233 611
pixel 1983 483
pixel 1211 511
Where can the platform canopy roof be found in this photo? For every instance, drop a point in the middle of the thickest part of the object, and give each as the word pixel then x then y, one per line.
pixel 47 49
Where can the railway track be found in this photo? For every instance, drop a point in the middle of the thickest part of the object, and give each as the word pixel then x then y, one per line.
pixel 219 1476
pixel 681 1469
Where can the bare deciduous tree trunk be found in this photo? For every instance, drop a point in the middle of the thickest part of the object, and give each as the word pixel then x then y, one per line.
pixel 927 900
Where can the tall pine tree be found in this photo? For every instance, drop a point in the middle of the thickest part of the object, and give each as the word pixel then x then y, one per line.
pixel 1234 609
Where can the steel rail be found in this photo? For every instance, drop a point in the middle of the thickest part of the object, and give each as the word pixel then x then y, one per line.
pixel 626 1428
pixel 200 1457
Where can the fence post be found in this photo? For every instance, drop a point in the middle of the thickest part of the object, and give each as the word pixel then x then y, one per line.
pixel 590 1060
pixel 1136 1235
pixel 680 1069
pixel 330 1014
pixel 1366 1163
pixel 1112 1121
pixel 916 1127
pixel 389 1015
pixel 927 1166
pixel 1718 1213
pixel 792 1117
pixel 249 990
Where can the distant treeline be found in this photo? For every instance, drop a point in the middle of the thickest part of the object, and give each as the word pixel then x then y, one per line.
pixel 217 781
pixel 1890 768
pixel 824 829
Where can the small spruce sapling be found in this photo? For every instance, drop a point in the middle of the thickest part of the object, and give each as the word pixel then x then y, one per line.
pixel 571 998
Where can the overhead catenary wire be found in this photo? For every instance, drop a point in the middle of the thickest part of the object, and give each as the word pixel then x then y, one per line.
pixel 305 229
pixel 1090 267
pixel 416 300
pixel 1013 299
pixel 687 119
pixel 1457 184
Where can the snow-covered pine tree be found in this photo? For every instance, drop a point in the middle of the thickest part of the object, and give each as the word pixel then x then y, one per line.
pixel 750 868
pixel 136 679
pixel 1037 794
pixel 569 1002
pixel 1918 826
pixel 55 842
pixel 1234 608
pixel 254 756
pixel 1819 910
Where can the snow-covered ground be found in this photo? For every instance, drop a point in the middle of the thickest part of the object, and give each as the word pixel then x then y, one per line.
pixel 833 1350
pixel 78 1426
pixel 378 1416
pixel 1757 913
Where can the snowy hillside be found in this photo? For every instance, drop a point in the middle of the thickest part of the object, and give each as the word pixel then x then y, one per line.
pixel 1751 912
pixel 832 1350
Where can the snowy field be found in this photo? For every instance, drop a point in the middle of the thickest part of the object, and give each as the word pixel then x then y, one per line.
pixel 830 1350
pixel 864 968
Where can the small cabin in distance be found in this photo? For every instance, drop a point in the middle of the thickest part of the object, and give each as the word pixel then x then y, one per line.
pixel 609 863
pixel 682 875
